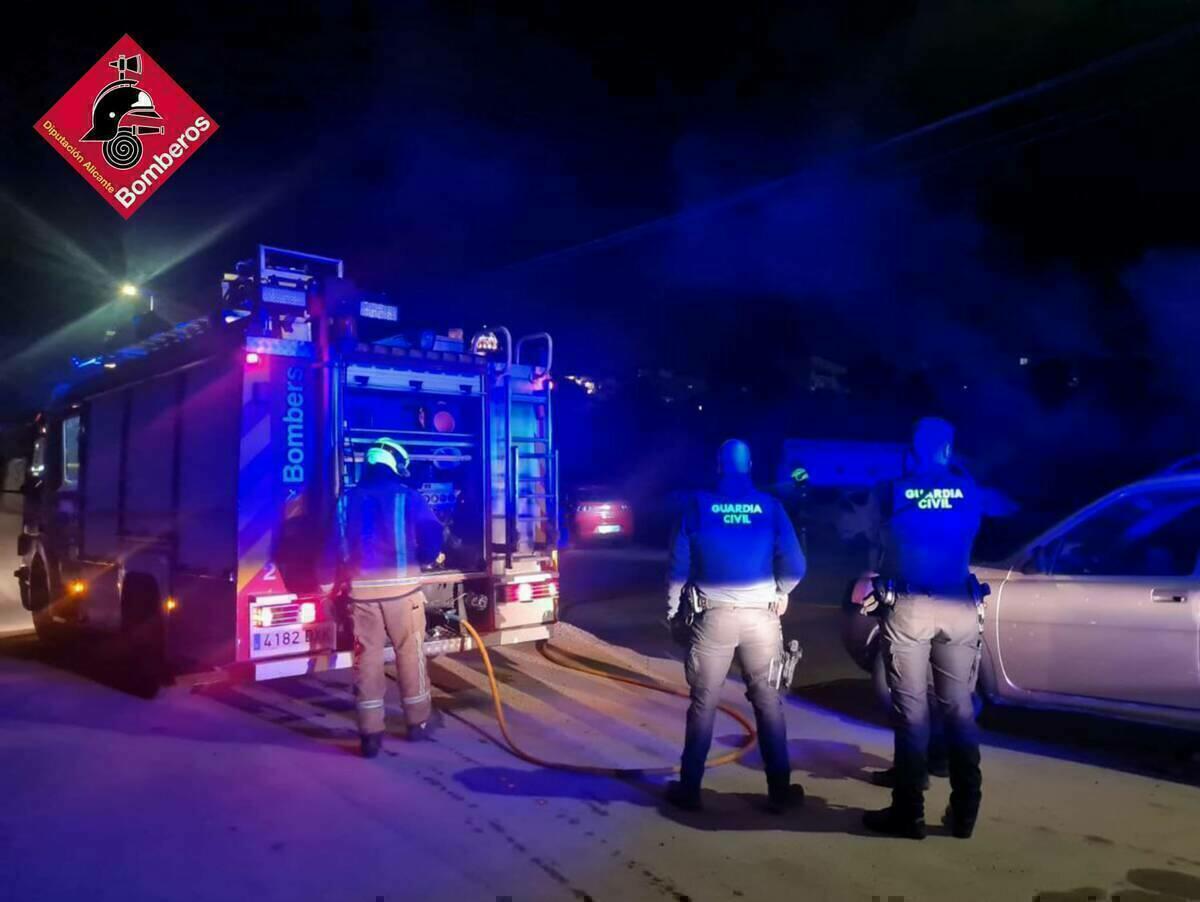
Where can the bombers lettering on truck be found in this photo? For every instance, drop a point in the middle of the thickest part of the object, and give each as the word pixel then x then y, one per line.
pixel 163 162
pixel 293 419
pixel 737 514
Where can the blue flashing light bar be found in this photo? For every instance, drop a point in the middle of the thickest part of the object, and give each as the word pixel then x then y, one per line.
pixel 288 297
pixel 374 310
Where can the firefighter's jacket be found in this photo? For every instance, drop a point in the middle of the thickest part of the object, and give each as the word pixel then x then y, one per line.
pixel 387 533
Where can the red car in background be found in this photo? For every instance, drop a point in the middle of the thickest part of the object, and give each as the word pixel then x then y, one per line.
pixel 600 514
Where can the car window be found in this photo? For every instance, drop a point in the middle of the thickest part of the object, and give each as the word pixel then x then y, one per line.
pixel 70 453
pixel 1148 533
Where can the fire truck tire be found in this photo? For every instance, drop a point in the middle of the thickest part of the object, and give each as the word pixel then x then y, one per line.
pixel 48 632
pixel 143 634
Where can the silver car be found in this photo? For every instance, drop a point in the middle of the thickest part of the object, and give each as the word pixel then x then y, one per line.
pixel 1099 614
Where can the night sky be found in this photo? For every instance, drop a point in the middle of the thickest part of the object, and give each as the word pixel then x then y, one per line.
pixel 677 188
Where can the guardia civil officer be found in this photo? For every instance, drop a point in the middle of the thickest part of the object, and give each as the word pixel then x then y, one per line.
pixel 736 554
pixel 932 515
pixel 387 533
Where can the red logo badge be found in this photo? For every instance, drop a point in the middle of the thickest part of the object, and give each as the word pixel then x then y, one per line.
pixel 126 126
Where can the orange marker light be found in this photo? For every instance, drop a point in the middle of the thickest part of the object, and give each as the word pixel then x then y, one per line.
pixel 170 604
pixel 77 587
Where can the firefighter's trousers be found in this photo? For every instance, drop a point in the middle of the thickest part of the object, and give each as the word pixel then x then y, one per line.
pixel 401 620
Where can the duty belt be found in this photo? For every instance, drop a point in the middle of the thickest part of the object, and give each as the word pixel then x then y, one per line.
pixel 699 604
pixel 704 604
pixel 889 591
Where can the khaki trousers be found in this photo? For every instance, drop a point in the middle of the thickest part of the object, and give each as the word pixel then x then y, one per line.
pixel 401 620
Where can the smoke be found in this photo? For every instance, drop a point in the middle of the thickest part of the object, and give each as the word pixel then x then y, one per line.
pixel 1164 286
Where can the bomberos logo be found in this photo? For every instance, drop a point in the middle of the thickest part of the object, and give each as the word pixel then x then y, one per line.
pixel 126 131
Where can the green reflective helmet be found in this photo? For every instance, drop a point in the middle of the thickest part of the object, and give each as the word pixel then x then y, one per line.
pixel 391 454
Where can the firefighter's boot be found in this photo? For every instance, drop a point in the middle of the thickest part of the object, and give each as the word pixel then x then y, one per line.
pixel 371 744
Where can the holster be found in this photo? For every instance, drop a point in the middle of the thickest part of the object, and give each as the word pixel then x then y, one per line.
pixel 691 604
pixel 979 593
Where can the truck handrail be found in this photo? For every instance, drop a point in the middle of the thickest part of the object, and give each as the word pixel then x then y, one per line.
pixel 535 337
pixel 508 348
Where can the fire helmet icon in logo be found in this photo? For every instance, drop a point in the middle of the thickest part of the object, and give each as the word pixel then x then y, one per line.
pixel 116 102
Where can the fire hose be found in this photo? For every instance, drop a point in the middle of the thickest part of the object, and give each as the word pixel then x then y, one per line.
pixel 727 758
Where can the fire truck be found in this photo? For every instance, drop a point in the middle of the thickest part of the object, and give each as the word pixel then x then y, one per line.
pixel 182 491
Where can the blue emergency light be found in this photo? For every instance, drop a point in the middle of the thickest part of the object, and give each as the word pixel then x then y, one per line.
pixel 375 310
pixel 288 297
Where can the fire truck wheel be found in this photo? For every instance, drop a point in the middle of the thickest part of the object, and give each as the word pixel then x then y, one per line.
pixel 142 634
pixel 48 632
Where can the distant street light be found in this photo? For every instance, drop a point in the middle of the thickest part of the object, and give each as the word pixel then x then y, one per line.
pixel 129 290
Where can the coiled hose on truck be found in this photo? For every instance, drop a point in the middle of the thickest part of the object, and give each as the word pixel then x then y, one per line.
pixel 545 649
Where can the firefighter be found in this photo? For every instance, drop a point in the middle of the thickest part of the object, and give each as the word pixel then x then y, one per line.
pixel 387 533
pixel 933 513
pixel 736 557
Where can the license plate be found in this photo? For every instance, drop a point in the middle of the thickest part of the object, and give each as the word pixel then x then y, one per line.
pixel 608 528
pixel 270 641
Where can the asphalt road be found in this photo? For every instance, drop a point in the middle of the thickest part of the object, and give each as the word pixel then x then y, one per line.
pixel 255 791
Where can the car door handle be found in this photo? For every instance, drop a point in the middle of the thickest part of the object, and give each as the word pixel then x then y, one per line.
pixel 1174 596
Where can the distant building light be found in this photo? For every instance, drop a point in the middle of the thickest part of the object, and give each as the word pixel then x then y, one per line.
pixel 700 407
pixel 1024 361
pixel 129 290
pixel 110 365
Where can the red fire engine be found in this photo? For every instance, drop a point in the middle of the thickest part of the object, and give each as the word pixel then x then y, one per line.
pixel 183 489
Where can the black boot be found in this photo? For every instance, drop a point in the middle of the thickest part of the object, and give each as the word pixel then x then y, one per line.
pixel 371 744
pixel 783 794
pixel 961 822
pixel 893 823
pixel 684 796
pixel 423 732
pixel 887 778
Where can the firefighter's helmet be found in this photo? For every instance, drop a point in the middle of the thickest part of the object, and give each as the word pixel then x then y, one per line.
pixel 113 104
pixel 391 454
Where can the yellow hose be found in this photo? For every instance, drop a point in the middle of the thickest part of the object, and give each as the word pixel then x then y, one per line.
pixel 726 758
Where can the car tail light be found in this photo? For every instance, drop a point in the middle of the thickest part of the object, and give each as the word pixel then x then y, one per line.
pixel 531 591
